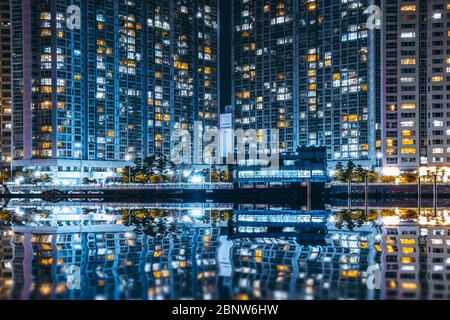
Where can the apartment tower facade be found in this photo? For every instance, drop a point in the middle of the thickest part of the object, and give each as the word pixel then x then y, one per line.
pixel 183 71
pixel 5 86
pixel 416 111
pixel 101 83
pixel 311 70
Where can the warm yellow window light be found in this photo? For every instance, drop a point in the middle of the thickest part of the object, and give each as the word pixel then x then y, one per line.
pixel 408 7
pixel 408 150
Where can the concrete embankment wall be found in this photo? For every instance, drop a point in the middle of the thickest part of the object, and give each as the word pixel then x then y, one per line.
pixel 385 191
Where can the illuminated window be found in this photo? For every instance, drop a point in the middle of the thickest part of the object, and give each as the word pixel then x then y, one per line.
pixel 405 124
pixel 312 6
pixel 407 260
pixel 408 35
pixel 391 107
pixel 408 250
pixel 181 65
pixel 408 7
pixel 312 58
pixel 390 143
pixel 408 106
pixel 46 89
pixel 407 241
pixel 408 151
pixel 408 61
pixel 408 142
pixel 46 33
pixel 45 16
pixel 438 123
pixel 407 133
pixel 409 286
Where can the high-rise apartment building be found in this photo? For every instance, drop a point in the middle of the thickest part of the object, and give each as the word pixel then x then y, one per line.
pixel 311 70
pixel 5 85
pixel 77 90
pixel 339 87
pixel 264 68
pixel 114 72
pixel 416 60
pixel 183 69
pixel 98 84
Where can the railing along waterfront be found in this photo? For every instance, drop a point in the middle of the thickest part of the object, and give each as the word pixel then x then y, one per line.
pixel 122 205
pixel 13 188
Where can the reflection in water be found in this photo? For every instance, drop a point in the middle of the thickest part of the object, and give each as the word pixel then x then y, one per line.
pixel 214 251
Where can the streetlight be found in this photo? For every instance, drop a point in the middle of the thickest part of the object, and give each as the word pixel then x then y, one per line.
pixel 11 161
pixel 11 168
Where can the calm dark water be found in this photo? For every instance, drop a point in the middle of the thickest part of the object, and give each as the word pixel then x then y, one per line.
pixel 221 251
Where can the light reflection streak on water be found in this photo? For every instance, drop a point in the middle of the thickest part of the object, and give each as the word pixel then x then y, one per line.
pixel 212 251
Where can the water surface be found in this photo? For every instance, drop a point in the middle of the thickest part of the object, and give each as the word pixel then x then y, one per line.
pixel 221 251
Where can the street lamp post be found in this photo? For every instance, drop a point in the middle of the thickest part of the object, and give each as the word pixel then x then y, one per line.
pixel 11 163
pixel 128 158
pixel 10 170
pixel 129 174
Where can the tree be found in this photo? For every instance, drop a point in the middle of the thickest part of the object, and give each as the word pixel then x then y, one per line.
pixel 169 169
pixel 156 179
pixel 225 176
pixel 87 181
pixel 126 176
pixel 215 176
pixel 339 174
pixel 160 164
pixel 387 179
pixel 27 176
pixel 349 170
pixel 4 177
pixel 409 177
pixel 373 176
pixel 137 169
pixel 140 178
pixel 45 178
pixel 148 166
pixel 344 218
pixel 206 174
pixel 359 174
